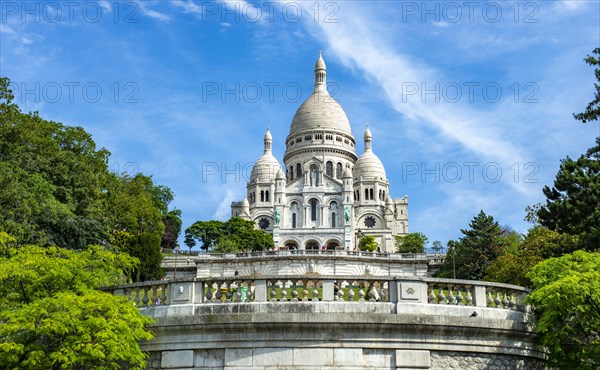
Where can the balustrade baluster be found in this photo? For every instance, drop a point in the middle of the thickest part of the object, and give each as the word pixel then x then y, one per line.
pixel 459 296
pixel 469 299
pixel 498 300
pixel 209 292
pixel 163 296
pixel 137 297
pixel 351 293
pixel 145 300
pixel 315 292
pixel 512 304
pixel 305 291
pixel 219 293
pixel 441 296
pixel 451 297
pixel 283 292
pixel 361 291
pixel 154 297
pixel 228 292
pixel 273 292
pixel 489 300
pixel 295 293
pixel 431 296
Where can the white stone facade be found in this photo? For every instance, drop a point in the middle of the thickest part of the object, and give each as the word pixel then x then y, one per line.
pixel 328 196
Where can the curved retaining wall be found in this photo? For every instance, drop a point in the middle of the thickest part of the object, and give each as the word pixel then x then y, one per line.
pixel 408 324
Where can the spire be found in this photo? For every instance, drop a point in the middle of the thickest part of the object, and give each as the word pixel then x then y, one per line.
pixel 368 139
pixel 320 74
pixel 268 141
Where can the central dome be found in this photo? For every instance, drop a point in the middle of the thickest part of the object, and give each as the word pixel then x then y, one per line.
pixel 320 110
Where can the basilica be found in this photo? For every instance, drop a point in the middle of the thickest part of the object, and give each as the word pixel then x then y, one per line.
pixel 328 197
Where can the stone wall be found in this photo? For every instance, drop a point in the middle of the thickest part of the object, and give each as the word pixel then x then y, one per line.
pixel 341 335
pixel 337 358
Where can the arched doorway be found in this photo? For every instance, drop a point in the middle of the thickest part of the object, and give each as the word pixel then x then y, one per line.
pixel 312 245
pixel 291 245
pixel 333 245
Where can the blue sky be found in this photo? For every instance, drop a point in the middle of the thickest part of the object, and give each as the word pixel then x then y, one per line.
pixel 470 103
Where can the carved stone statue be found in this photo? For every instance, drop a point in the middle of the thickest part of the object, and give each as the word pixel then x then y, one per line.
pixel 277 217
pixel 347 215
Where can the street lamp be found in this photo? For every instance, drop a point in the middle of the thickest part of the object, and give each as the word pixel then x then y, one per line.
pixel 359 235
pixel 176 253
pixel 452 251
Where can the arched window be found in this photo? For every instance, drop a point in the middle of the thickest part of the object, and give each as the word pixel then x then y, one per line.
pixel 298 170
pixel 332 219
pixel 383 195
pixel 338 171
pixel 380 195
pixel 294 208
pixel 366 194
pixel 291 173
pixel 329 168
pixel 371 193
pixel 266 196
pixel 313 210
pixel 314 175
pixel 262 195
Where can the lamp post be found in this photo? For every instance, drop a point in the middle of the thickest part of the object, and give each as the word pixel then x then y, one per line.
pixel 359 235
pixel 176 253
pixel 452 251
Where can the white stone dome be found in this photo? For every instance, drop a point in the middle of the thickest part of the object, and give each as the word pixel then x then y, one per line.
pixel 267 166
pixel 320 110
pixel 368 165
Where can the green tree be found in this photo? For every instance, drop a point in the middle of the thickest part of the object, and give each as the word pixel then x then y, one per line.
pixel 437 246
pixel 573 203
pixel 56 189
pixel 411 243
pixel 476 250
pixel 172 222
pixel 53 318
pixel 367 243
pixel 566 299
pixel 234 235
pixel 592 111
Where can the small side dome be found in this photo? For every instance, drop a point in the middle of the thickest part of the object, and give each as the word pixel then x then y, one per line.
pixel 388 201
pixel 368 165
pixel 347 173
pixel 320 64
pixel 245 203
pixel 267 166
pixel 280 175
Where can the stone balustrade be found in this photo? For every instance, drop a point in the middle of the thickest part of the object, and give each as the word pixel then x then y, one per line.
pixel 306 288
pixel 183 258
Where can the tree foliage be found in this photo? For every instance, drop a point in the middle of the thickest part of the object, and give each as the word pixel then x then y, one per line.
pixel 56 189
pixel 411 243
pixel 592 111
pixel 573 203
pixel 566 299
pixel 476 250
pixel 52 317
pixel 367 243
pixel 233 235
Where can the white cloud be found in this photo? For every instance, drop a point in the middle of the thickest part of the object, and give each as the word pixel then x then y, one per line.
pixel 188 6
pixel 145 10
pixel 223 211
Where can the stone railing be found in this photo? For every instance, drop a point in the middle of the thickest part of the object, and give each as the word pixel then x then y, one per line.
pixel 306 288
pixel 308 252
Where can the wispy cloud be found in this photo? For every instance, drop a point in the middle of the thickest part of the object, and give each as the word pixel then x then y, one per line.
pixel 147 11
